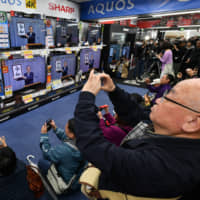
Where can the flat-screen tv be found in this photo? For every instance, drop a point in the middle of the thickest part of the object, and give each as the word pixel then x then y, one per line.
pixel 26 30
pixel 89 59
pixel 22 73
pixel 62 66
pixel 114 53
pixel 94 34
pixel 66 32
pixel 126 51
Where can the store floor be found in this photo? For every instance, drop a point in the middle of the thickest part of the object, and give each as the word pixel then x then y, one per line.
pixel 23 132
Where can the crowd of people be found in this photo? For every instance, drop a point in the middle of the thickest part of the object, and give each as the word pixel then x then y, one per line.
pixel 153 58
pixel 149 148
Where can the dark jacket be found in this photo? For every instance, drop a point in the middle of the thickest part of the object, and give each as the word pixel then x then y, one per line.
pixel 29 78
pixel 15 187
pixel 31 37
pixel 152 167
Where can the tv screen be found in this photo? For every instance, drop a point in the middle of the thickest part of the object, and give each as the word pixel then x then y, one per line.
pixel 62 65
pixel 94 34
pixel 66 32
pixel 114 52
pixel 125 51
pixel 26 30
pixel 89 59
pixel 21 73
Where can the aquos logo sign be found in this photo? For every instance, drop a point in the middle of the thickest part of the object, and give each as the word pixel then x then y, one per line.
pixel 105 7
pixel 11 2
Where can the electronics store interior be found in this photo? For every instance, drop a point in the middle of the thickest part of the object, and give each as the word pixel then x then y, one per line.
pixel 73 72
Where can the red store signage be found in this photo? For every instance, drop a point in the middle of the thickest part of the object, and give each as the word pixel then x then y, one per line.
pixel 61 8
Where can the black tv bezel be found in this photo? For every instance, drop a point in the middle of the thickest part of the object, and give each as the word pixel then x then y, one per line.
pixel 30 86
pixel 56 53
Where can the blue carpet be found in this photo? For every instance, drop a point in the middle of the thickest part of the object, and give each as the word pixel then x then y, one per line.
pixel 23 132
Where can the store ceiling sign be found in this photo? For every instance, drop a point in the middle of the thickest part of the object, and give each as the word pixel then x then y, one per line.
pixel 58 8
pixel 115 8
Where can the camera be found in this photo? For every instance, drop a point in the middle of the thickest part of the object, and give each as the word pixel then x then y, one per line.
pixel 48 122
pixel 102 107
pixel 102 79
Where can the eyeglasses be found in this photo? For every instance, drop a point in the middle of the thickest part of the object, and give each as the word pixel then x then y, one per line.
pixel 175 102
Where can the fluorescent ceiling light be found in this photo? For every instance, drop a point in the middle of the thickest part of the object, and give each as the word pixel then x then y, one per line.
pixel 176 13
pixel 116 19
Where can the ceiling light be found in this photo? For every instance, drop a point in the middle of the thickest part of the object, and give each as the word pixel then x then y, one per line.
pixel 116 19
pixel 176 13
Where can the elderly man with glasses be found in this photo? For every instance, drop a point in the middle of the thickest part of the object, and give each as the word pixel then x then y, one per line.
pixel 161 160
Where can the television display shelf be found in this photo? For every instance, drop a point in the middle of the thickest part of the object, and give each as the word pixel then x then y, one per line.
pixel 44 52
pixel 14 110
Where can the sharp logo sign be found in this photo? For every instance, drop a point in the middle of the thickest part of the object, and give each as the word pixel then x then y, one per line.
pixel 61 8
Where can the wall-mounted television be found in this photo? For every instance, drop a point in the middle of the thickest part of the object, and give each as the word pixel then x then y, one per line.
pixel 94 34
pixel 26 30
pixel 89 59
pixel 114 53
pixel 126 51
pixel 62 66
pixel 66 32
pixel 23 73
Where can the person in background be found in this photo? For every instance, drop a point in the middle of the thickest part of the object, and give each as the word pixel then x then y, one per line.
pixel 65 156
pixel 113 128
pixel 125 67
pixel 13 183
pixel 159 89
pixel 191 73
pixel 166 59
pixel 31 35
pixel 28 76
pixel 156 161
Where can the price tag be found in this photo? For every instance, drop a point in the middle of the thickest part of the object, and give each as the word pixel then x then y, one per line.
pixel 27 98
pixel 28 54
pixel 6 54
pixel 48 87
pixel 5 69
pixel 8 91
pixel 48 78
pixel 68 50
pixel 94 48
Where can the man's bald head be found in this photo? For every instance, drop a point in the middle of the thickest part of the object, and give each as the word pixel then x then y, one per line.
pixel 170 115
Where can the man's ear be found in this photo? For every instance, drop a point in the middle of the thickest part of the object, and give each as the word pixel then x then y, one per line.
pixel 191 124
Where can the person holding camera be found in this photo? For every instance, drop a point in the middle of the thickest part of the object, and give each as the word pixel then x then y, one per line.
pixel 66 156
pixel 157 160
pixel 114 129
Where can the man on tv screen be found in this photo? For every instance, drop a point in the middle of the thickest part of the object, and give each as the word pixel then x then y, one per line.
pixel 65 69
pixel 30 35
pixel 28 76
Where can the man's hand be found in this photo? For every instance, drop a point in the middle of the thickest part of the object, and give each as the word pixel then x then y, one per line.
pixel 3 142
pixel 108 84
pixel 44 129
pixel 53 124
pixel 93 83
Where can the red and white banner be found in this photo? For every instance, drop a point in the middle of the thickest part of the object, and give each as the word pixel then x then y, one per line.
pixel 59 8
